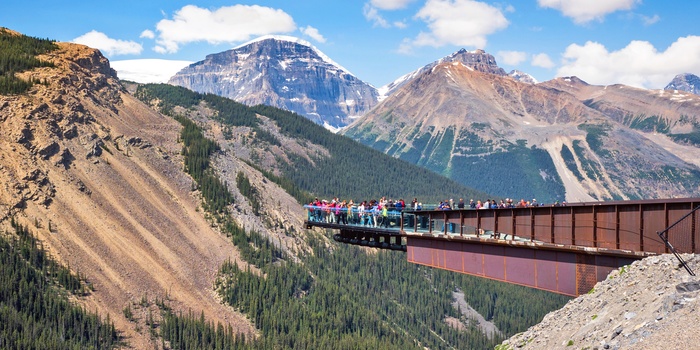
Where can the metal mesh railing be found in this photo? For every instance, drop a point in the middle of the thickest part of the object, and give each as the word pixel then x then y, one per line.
pixel 680 236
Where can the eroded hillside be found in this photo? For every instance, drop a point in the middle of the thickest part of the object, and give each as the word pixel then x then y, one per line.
pixel 98 175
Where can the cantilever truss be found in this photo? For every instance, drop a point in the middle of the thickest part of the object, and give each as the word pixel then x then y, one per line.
pixel 685 224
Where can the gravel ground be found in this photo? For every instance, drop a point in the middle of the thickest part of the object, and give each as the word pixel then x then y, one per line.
pixel 650 304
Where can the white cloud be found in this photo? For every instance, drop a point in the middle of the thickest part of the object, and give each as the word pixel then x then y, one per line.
pixel 390 4
pixel 542 60
pixel 649 20
pixel 227 24
pixel 400 24
pixel 638 64
pixel 371 14
pixel 457 22
pixel 148 34
pixel 511 58
pixel 313 33
pixel 582 11
pixel 148 70
pixel 108 46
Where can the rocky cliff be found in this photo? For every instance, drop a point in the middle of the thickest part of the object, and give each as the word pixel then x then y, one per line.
pixel 282 72
pixel 650 304
pixel 97 175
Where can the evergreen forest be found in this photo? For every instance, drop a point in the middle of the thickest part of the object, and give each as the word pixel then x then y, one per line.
pixel 35 311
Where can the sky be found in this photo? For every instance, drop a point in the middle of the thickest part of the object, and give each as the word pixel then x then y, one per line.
pixel 642 43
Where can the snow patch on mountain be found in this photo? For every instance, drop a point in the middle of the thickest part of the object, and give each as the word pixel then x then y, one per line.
pixel 522 77
pixel 299 41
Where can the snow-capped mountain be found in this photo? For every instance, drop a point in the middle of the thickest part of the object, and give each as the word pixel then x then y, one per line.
pixel 284 72
pixel 685 82
pixel 522 77
pixel 477 60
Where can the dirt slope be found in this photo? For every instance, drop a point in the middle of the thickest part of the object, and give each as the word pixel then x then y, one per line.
pixel 650 304
pixel 103 171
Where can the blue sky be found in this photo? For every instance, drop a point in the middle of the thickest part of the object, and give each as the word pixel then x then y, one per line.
pixel 634 42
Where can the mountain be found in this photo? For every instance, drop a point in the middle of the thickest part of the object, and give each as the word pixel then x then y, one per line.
pixel 522 77
pixel 283 72
pixel 685 82
pixel 557 140
pixel 478 60
pixel 661 115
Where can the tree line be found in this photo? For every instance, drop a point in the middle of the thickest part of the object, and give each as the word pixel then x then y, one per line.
pixel 18 54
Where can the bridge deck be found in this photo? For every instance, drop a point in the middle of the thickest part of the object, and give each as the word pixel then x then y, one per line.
pixel 379 233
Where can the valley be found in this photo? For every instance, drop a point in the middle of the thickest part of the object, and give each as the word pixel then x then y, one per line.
pixel 183 212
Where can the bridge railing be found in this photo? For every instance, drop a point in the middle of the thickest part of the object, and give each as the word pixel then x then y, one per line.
pixel 354 217
pixel 622 225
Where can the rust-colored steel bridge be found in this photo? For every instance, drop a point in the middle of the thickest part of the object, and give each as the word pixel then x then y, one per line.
pixel 562 249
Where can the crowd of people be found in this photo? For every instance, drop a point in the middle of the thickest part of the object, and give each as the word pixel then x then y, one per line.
pixel 372 213
pixel 492 204
pixel 386 213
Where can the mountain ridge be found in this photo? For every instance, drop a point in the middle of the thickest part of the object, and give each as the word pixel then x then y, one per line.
pixel 472 119
pixel 478 59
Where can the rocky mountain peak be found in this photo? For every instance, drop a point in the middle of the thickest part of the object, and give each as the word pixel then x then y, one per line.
pixel 522 77
pixel 478 59
pixel 685 82
pixel 283 72
pixel 279 45
pixel 589 142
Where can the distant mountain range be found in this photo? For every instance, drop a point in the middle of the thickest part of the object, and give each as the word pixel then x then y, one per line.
pixel 283 72
pixel 465 117
pixel 558 140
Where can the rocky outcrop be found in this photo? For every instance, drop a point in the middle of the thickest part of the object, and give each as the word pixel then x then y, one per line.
pixel 685 82
pixel 650 304
pixel 282 72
